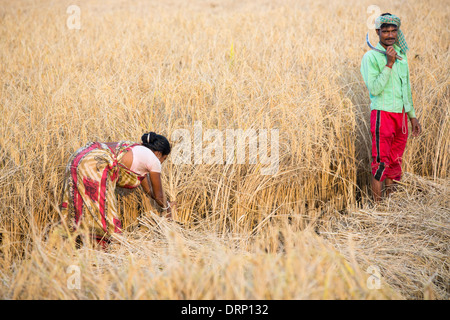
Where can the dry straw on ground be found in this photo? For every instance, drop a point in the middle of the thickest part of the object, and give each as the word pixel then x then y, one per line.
pixel 309 231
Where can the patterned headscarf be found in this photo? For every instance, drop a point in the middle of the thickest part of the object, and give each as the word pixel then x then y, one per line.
pixel 393 19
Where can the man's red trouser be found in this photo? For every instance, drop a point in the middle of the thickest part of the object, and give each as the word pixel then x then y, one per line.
pixel 389 136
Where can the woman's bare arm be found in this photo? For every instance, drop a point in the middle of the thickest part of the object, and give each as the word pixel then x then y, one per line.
pixel 152 185
pixel 146 185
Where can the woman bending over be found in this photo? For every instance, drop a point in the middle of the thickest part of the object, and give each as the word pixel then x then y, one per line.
pixel 97 169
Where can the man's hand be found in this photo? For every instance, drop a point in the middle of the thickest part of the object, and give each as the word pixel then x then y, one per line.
pixel 416 128
pixel 391 56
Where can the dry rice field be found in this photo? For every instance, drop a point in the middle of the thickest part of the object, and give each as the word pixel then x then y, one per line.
pixel 309 231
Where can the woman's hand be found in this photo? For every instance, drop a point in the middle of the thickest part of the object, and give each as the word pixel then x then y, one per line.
pixel 172 211
pixel 152 185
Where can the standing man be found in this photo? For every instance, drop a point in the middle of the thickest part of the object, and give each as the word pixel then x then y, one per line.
pixel 387 78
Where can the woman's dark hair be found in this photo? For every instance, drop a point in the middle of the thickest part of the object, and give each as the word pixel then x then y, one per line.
pixel 156 142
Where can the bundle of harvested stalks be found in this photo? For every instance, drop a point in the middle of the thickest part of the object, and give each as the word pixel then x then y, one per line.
pixel 407 237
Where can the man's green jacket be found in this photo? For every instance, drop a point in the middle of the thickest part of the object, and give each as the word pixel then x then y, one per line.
pixel 389 89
